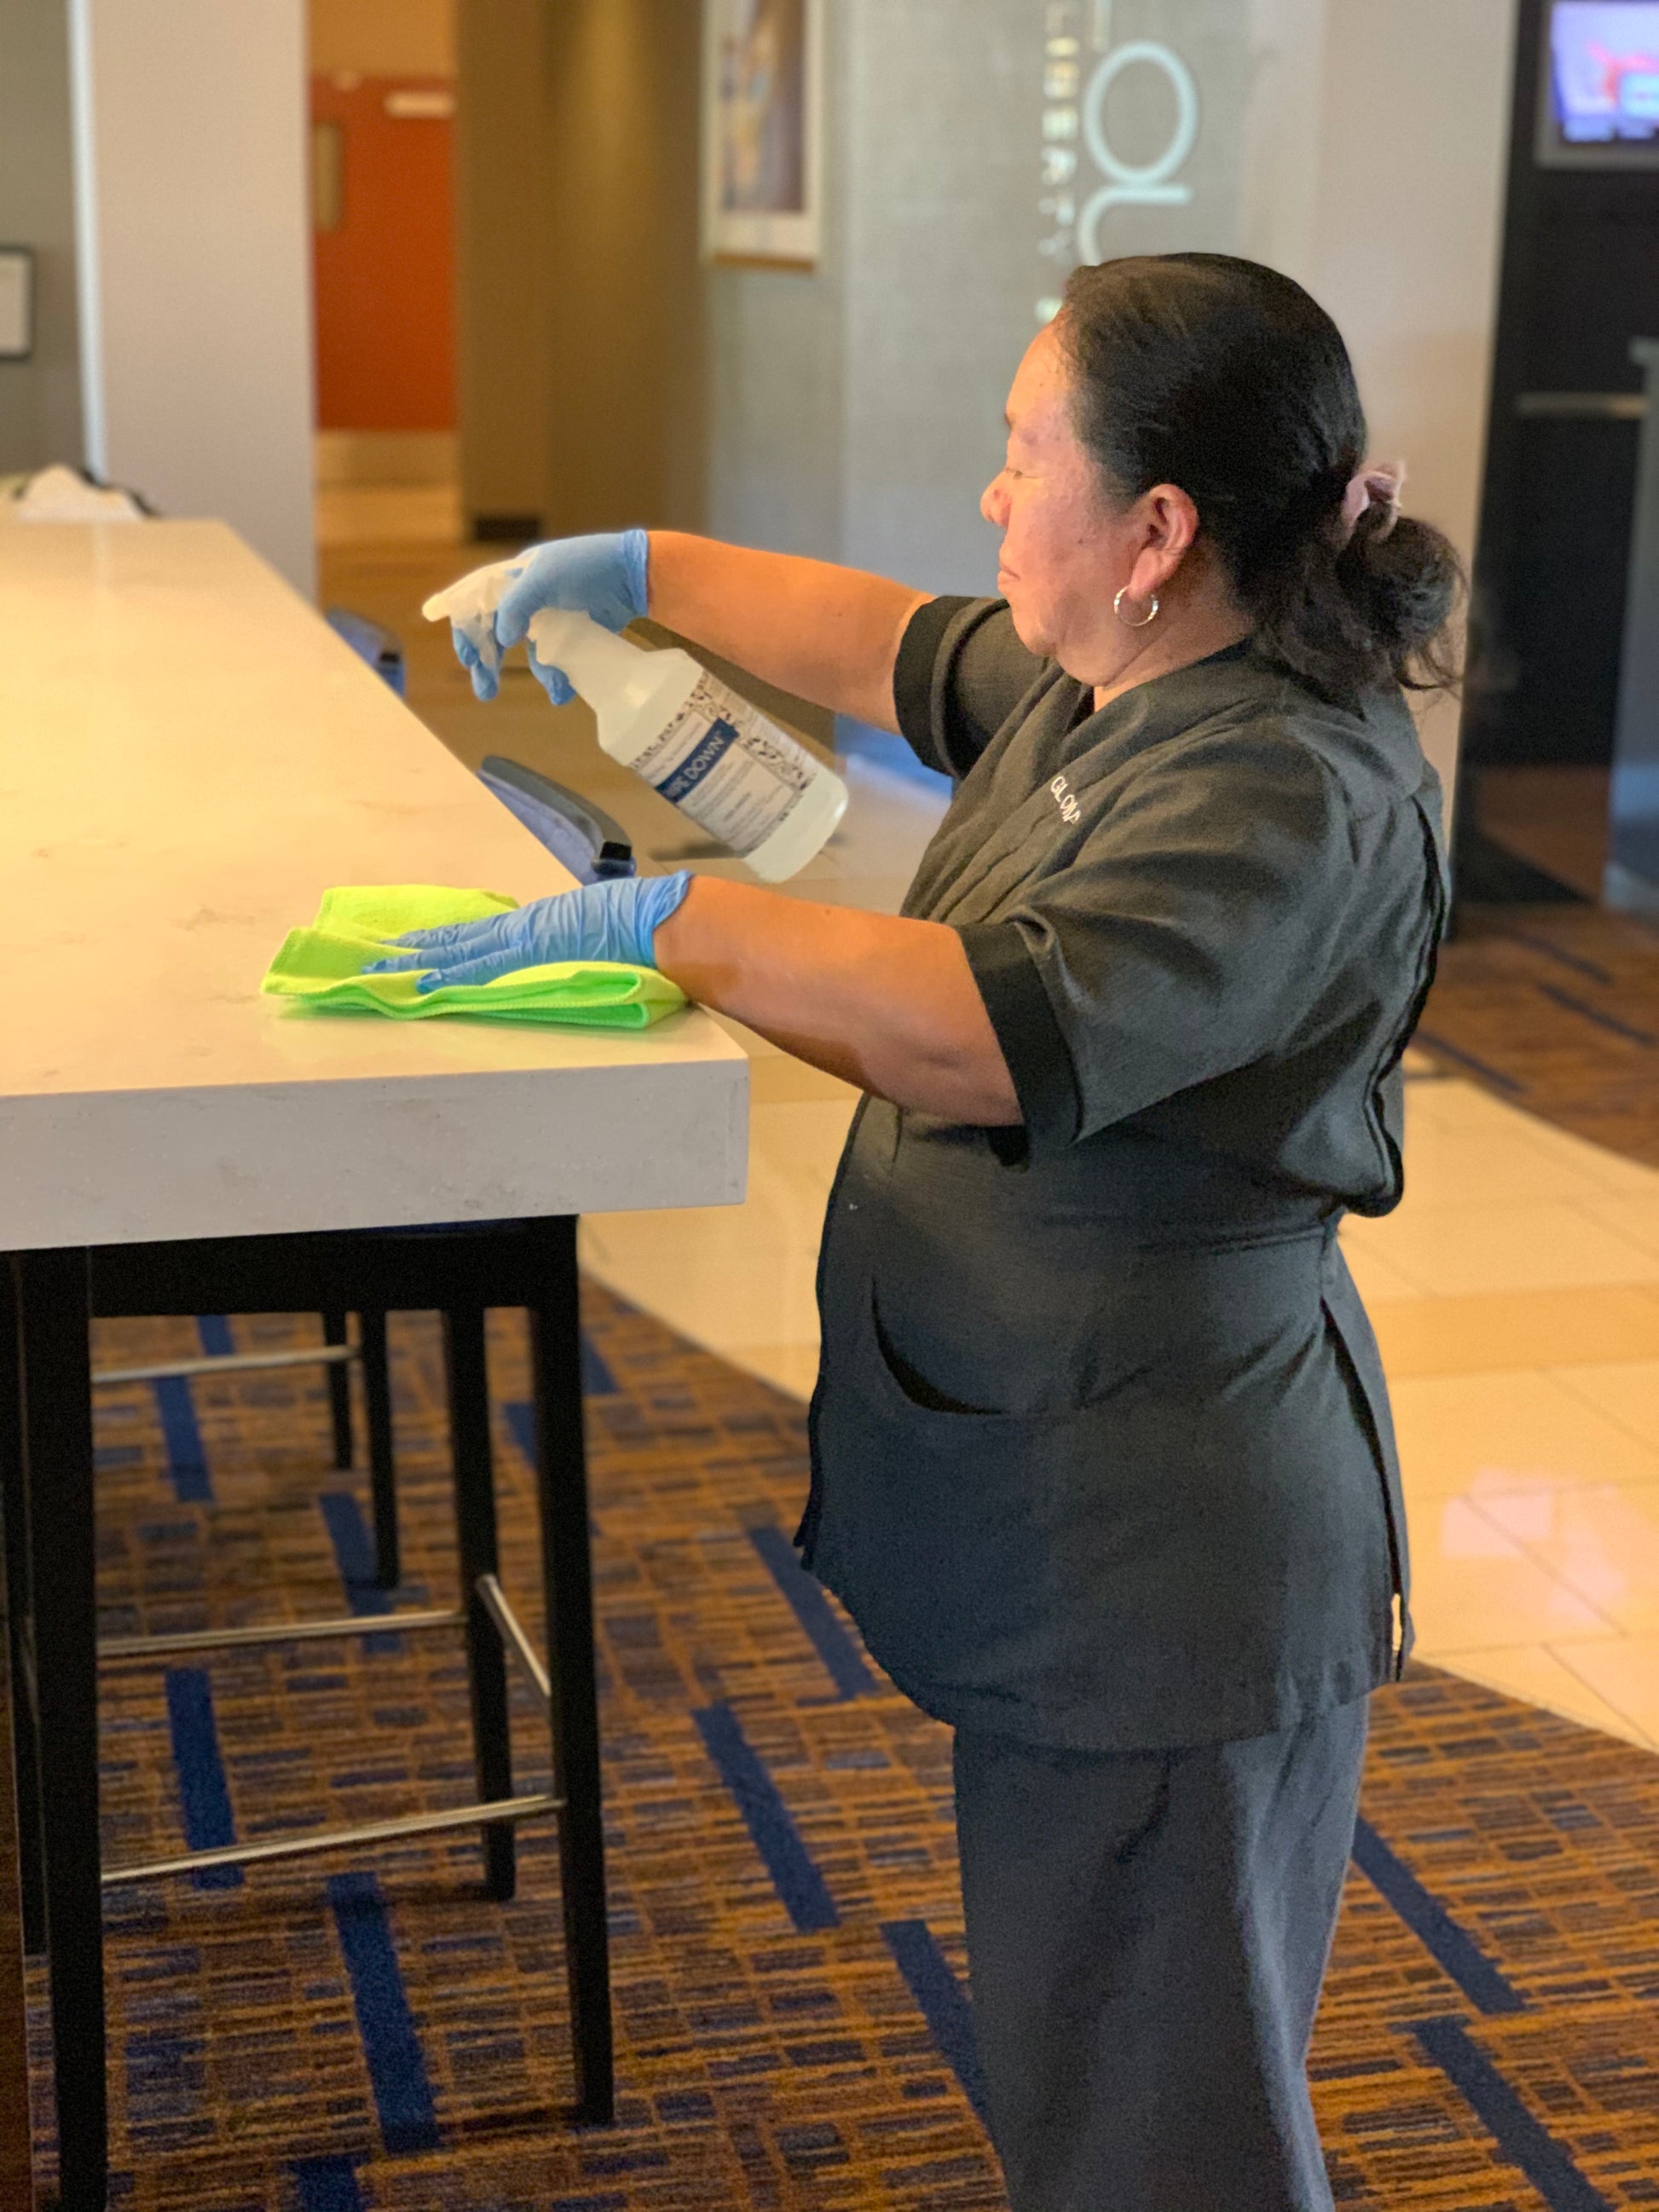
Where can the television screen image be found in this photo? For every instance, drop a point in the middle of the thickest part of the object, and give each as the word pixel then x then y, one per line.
pixel 1603 81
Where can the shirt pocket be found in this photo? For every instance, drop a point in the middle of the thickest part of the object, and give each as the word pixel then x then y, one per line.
pixel 952 1531
pixel 914 1393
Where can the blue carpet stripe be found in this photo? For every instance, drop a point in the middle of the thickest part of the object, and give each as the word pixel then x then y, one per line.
pixel 806 1601
pixel 391 2048
pixel 204 1792
pixel 214 1330
pixel 354 1555
pixel 186 1456
pixel 327 2184
pixel 1452 1947
pixel 942 2003
pixel 1608 1021
pixel 1488 1074
pixel 1519 2136
pixel 598 1381
pixel 796 1879
pixel 1558 953
pixel 354 1551
pixel 520 1419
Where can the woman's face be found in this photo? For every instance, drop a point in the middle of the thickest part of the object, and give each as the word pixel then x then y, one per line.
pixel 1066 553
pixel 1068 548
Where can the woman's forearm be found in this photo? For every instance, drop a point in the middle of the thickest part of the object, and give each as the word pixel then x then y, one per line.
pixel 827 634
pixel 889 1004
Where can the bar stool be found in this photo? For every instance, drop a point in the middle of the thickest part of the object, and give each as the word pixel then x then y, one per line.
pixel 338 1355
pixel 46 1462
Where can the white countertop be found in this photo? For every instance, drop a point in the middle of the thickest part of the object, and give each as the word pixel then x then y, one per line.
pixel 189 756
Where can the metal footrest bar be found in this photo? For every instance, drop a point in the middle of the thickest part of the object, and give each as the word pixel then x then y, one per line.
pixel 513 1636
pixel 230 1362
pixel 484 1815
pixel 487 1812
pixel 280 1631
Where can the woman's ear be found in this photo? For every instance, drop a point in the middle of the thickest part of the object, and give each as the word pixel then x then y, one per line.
pixel 1169 531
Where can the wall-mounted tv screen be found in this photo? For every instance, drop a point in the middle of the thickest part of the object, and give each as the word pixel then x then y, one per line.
pixel 1599 103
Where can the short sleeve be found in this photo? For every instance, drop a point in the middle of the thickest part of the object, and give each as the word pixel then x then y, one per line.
pixel 1190 935
pixel 960 672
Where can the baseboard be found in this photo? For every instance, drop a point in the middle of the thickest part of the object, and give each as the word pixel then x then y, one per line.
pixel 386 457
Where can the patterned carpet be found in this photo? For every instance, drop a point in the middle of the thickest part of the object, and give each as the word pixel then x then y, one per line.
pixel 1556 1009
pixel 792 2025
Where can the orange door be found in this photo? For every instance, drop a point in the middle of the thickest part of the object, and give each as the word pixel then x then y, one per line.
pixel 382 152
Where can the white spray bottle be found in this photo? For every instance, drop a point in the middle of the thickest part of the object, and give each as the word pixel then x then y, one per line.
pixel 747 783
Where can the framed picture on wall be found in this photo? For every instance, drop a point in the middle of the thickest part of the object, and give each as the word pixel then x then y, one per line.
pixel 762 130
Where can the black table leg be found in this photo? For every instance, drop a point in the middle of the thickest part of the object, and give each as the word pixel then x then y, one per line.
pixel 14 1513
pixel 339 1390
pixel 475 1527
pixel 382 1464
pixel 16 2134
pixel 562 1487
pixel 54 1294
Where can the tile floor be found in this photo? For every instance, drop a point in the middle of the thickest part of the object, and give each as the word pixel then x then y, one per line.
pixel 1515 1293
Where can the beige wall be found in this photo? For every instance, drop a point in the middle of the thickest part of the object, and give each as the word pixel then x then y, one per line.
pixel 1416 134
pixel 581 296
pixel 39 398
pixel 1378 178
pixel 625 370
pixel 195 262
pixel 383 38
pixel 501 124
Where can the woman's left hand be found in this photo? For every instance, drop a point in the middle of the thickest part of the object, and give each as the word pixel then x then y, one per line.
pixel 614 920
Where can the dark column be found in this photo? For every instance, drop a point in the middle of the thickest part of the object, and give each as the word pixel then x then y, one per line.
pixel 339 1390
pixel 14 1525
pixel 16 2176
pixel 1631 879
pixel 53 1292
pixel 475 1529
pixel 562 1486
pixel 382 1464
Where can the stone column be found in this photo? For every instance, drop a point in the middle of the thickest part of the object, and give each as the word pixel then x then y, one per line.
pixel 195 264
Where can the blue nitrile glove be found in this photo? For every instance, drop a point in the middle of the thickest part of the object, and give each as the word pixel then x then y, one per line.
pixel 603 576
pixel 615 920
pixel 490 609
pixel 469 606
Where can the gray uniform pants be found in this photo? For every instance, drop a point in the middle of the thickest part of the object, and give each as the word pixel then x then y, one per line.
pixel 1146 1936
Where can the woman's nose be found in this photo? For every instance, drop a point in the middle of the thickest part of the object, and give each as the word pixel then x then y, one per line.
pixel 993 504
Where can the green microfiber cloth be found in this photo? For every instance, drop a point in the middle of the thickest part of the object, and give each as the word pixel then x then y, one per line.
pixel 323 966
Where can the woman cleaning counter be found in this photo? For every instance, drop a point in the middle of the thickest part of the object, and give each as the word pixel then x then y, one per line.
pixel 1103 1464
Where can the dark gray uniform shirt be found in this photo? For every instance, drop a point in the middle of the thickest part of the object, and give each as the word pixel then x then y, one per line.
pixel 1102 1454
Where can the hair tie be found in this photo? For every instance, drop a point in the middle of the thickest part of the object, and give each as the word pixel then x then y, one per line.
pixel 1379 483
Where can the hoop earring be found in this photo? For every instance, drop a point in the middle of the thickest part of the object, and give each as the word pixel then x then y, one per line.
pixel 1151 615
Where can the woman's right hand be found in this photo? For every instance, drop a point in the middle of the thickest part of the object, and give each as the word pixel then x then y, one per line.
pixel 491 610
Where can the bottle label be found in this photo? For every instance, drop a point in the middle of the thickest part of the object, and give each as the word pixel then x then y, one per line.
pixel 721 762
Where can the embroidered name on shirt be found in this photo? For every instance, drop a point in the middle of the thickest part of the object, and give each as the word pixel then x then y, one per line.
pixel 1066 800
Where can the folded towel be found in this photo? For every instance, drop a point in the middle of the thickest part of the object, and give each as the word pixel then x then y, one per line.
pixel 323 966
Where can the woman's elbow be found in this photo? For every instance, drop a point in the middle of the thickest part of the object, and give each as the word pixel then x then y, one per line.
pixel 967 1084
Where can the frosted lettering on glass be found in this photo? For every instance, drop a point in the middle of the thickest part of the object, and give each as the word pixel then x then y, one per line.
pixel 1076 115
